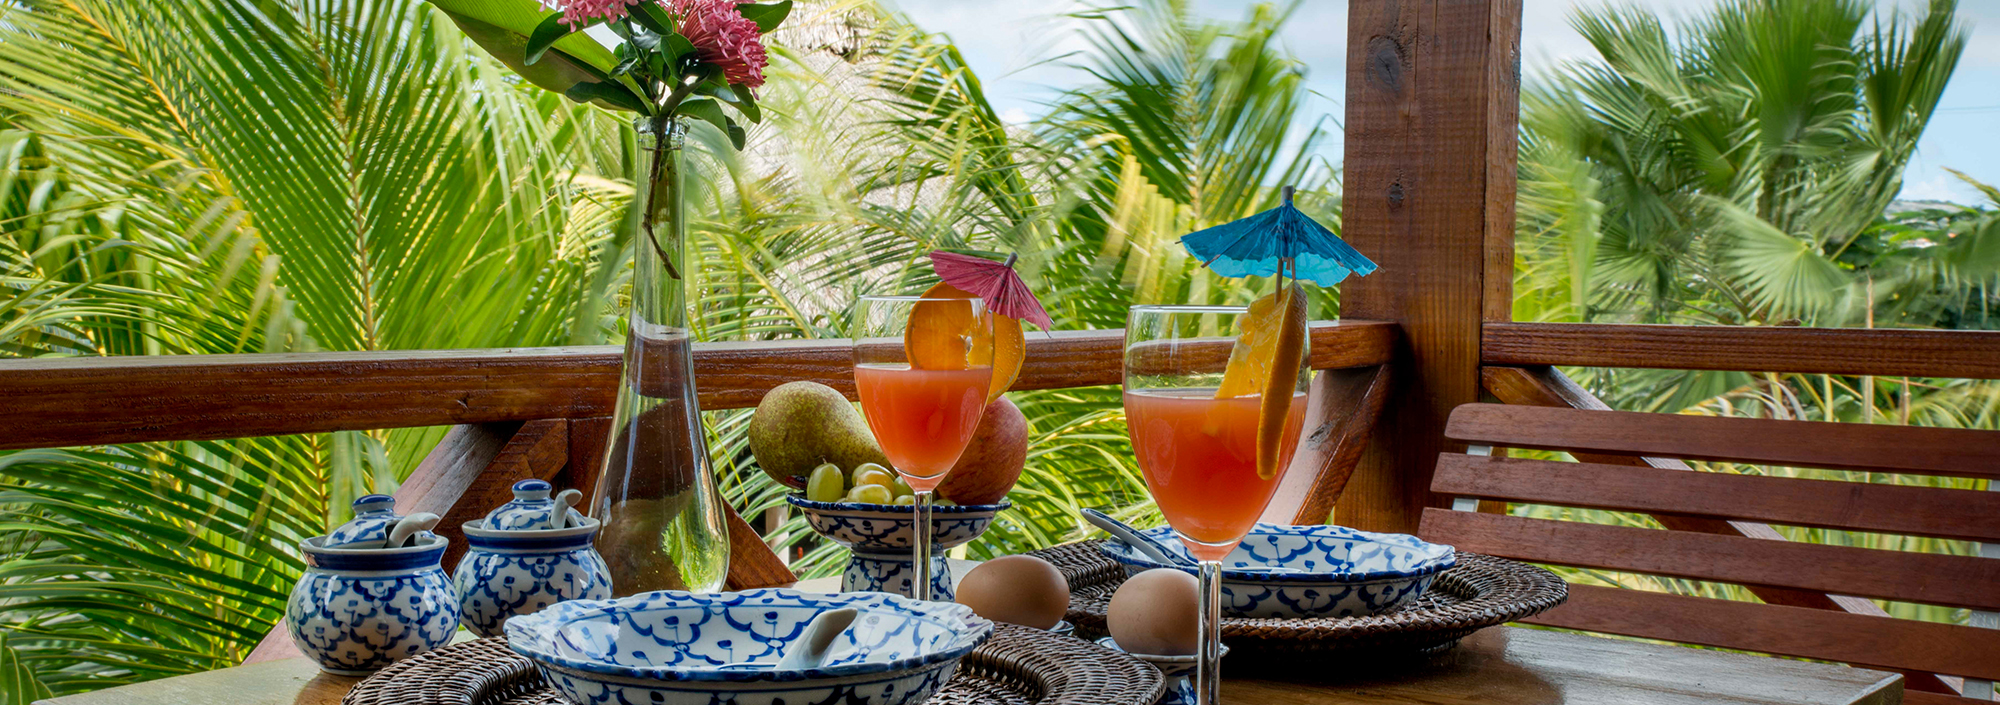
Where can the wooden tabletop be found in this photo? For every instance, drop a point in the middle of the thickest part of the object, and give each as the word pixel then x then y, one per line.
pixel 1499 666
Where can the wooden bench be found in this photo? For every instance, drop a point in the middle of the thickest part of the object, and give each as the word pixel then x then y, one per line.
pixel 1700 544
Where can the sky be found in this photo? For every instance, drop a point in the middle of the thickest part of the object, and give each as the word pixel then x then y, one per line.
pixel 1011 43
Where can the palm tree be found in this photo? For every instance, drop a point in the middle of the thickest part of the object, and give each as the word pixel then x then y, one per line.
pixel 209 176
pixel 217 176
pixel 1719 178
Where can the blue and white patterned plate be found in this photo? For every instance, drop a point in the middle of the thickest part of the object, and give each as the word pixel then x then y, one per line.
pixel 676 636
pixel 1311 571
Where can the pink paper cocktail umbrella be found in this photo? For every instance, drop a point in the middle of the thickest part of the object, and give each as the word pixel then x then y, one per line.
pixel 996 282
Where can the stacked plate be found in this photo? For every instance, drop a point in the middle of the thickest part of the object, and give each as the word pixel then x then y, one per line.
pixel 1309 571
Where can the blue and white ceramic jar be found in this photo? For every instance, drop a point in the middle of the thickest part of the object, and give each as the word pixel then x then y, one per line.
pixel 358 609
pixel 543 557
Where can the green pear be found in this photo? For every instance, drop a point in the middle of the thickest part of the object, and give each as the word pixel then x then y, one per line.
pixel 799 425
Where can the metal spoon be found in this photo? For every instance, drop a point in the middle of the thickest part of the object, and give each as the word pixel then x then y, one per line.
pixel 1153 549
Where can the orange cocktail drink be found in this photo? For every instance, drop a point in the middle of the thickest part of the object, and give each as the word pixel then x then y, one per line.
pixel 922 418
pixel 1199 456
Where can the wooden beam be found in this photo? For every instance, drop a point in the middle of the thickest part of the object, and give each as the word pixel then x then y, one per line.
pixel 88 401
pixel 1429 195
pixel 1841 351
pixel 539 451
pixel 1344 407
pixel 1546 386
pixel 1905 576
pixel 1915 450
pixel 1965 515
pixel 1881 642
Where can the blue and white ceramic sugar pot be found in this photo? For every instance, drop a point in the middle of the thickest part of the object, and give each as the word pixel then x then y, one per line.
pixel 530 553
pixel 377 596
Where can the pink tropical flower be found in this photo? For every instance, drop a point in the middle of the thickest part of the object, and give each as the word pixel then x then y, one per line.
pixel 576 13
pixel 723 38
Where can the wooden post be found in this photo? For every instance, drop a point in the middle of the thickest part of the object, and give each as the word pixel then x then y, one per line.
pixel 1432 108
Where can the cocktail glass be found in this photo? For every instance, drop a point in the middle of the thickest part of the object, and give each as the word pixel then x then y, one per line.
pixel 923 367
pixel 1198 452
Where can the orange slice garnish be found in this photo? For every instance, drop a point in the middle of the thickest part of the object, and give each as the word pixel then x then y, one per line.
pixel 1265 361
pixel 944 335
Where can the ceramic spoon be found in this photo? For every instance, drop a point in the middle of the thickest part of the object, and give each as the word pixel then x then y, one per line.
pixel 565 500
pixel 409 526
pixel 1160 553
pixel 812 646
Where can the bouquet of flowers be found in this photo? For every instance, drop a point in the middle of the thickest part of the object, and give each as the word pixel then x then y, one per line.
pixel 677 57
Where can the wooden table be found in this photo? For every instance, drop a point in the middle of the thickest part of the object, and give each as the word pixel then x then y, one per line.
pixel 1499 666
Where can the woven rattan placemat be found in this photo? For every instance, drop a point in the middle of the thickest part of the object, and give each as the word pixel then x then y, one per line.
pixel 1482 591
pixel 1018 666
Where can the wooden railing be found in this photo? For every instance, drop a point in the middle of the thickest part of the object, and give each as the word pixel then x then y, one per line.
pixel 543 412
pixel 84 401
pixel 1892 352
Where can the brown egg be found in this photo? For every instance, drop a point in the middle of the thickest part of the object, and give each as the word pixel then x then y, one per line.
pixel 1154 613
pixel 1022 590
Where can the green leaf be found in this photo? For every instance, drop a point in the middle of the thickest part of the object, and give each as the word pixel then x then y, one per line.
pixel 705 109
pixel 502 28
pixel 653 17
pixel 611 93
pixel 767 15
pixel 626 66
pixel 545 35
pixel 21 687
pixel 677 46
pixel 736 134
pixel 746 102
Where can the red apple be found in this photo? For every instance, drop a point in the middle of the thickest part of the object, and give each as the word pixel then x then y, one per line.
pixel 993 458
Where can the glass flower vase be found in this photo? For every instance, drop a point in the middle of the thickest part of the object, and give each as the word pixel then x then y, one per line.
pixel 663 516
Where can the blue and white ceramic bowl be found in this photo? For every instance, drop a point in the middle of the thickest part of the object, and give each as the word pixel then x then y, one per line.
pixel 1179 671
pixel 1291 572
pixel 510 573
pixel 678 648
pixel 357 610
pixel 880 537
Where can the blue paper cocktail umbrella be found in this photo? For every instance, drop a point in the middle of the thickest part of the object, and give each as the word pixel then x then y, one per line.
pixel 1260 244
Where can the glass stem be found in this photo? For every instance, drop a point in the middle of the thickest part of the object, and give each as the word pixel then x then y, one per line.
pixel 1208 671
pixel 920 548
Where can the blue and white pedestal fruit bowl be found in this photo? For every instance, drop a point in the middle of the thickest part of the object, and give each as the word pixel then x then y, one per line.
pixel 880 537
pixel 1295 572
pixel 540 555
pixel 382 598
pixel 678 648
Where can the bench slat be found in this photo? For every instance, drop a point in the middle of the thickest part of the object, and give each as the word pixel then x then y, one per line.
pixel 1956 581
pixel 1881 642
pixel 1893 509
pixel 1902 449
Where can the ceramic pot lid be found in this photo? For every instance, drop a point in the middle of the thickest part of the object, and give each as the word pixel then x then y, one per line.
pixel 374 518
pixel 533 509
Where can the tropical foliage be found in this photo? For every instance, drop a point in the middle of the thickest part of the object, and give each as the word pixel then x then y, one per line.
pixel 1738 175
pixel 214 176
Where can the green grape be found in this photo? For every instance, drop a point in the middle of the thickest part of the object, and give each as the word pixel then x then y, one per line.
pixel 870 494
pixel 942 502
pixel 906 499
pixel 826 484
pixel 902 488
pixel 872 474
